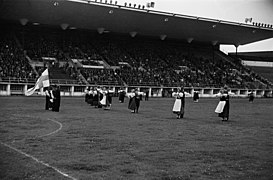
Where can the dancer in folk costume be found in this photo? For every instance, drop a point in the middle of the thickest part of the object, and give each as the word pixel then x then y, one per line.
pixel 121 95
pixel 195 96
pixel 95 97
pixel 179 104
pixel 48 104
pixel 100 97
pixel 146 95
pixel 56 99
pixel 51 99
pixel 109 96
pixel 223 106
pixel 86 91
pixel 106 100
pixel 90 96
pixel 251 96
pixel 134 100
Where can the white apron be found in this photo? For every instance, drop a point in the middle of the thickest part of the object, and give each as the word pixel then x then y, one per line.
pixel 220 107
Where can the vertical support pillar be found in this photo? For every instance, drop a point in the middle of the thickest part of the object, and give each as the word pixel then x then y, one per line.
pixel 25 88
pixel 8 90
pixel 201 92
pixel 161 92
pixel 150 92
pixel 72 90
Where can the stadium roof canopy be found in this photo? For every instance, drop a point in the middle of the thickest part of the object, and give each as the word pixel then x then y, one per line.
pixel 266 56
pixel 103 17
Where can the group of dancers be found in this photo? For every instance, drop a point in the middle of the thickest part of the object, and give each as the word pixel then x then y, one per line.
pixel 222 108
pixel 99 97
pixel 53 98
pixel 102 97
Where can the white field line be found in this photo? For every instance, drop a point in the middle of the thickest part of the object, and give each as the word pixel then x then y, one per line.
pixel 38 161
pixel 53 132
pixel 60 124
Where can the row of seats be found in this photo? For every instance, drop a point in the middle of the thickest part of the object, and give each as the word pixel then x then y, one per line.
pixel 137 61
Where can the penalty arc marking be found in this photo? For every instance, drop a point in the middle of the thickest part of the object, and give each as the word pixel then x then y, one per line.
pixel 37 160
pixel 60 124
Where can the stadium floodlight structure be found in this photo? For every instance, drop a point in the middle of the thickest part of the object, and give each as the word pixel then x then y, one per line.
pixel 248 20
pixel 150 4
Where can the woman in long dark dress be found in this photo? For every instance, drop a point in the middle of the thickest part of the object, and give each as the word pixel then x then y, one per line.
pixel 90 97
pixel 134 100
pixel 57 99
pixel 179 104
pixel 195 96
pixel 48 103
pixel 121 95
pixel 86 91
pixel 223 106
pixel 106 100
pixel 95 97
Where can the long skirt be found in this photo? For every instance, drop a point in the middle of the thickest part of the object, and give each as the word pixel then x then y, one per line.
pixel 178 107
pixel 121 97
pixel 95 100
pixel 86 97
pixel 103 101
pixel 90 100
pixel 132 104
pixel 251 98
pixel 195 97
pixel 56 105
pixel 109 99
pixel 48 103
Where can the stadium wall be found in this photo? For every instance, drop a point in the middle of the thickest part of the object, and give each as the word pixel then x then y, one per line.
pixel 257 63
pixel 10 89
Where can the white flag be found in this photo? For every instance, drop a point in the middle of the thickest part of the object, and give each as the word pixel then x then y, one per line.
pixel 43 81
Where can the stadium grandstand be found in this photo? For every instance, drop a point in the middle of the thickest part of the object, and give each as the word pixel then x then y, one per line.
pixel 107 44
pixel 259 62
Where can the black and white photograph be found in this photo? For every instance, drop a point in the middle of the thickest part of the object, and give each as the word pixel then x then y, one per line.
pixel 136 89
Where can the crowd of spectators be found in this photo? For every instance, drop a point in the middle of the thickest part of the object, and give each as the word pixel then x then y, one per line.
pixel 101 76
pixel 13 64
pixel 141 61
pixel 41 45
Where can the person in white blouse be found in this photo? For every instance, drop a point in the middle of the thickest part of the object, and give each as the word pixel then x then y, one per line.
pixel 179 104
pixel 121 95
pixel 223 106
pixel 106 101
pixel 134 100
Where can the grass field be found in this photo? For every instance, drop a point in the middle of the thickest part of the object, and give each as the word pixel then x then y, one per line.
pixel 81 142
